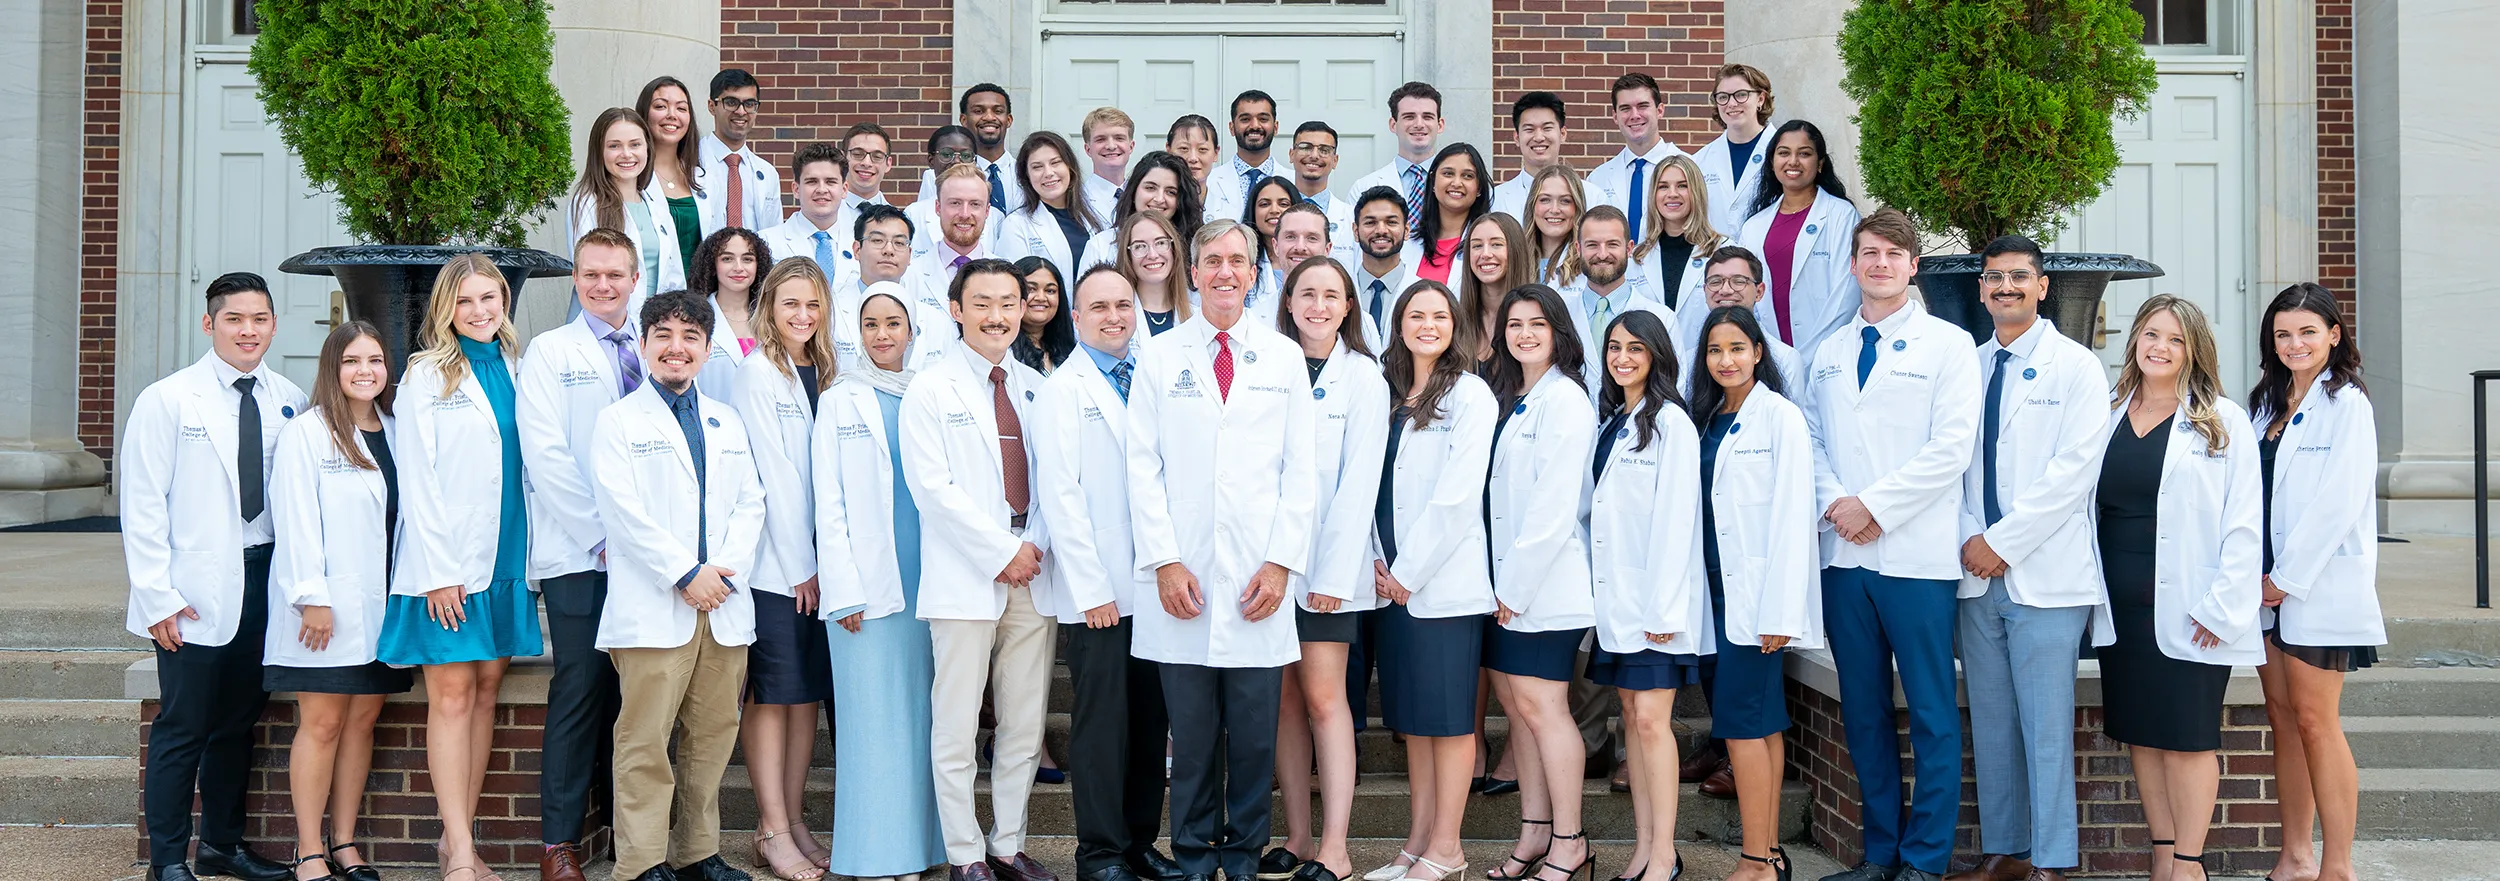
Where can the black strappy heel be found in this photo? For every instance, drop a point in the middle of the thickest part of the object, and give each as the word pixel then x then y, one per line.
pixel 1778 862
pixel 1588 862
pixel 2198 859
pixel 359 872
pixel 299 861
pixel 1528 866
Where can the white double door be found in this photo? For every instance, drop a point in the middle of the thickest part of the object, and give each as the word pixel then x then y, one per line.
pixel 247 208
pixel 1343 81
pixel 2179 199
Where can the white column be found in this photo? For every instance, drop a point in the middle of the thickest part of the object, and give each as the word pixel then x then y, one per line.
pixel 1797 42
pixel 45 473
pixel 2286 192
pixel 1449 43
pixel 2425 225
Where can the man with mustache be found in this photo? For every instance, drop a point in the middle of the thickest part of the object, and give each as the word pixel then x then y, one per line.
pixel 1601 292
pixel 1253 125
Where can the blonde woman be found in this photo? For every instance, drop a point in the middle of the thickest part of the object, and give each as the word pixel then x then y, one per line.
pixel 789 670
pixel 460 605
pixel 1556 199
pixel 2181 505
pixel 1668 264
pixel 1151 255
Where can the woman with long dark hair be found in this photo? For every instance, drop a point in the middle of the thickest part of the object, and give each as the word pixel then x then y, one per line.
pixel 2321 565
pixel 615 191
pixel 1158 184
pixel 1498 261
pixel 1048 334
pixel 726 268
pixel 1055 223
pixel 1152 258
pixel 1805 244
pixel 1455 195
pixel 676 157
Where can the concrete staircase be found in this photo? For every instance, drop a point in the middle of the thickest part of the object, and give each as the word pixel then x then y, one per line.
pixel 2427 737
pixel 69 742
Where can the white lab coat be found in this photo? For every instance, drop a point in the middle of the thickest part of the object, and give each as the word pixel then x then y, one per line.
pixel 1900 445
pixel 566 378
pixel 334 539
pixel 1222 486
pixel 1228 189
pixel 796 237
pixel 780 423
pixel 927 316
pixel 2205 568
pixel 1823 295
pixel 182 530
pixel 949 427
pixel 1576 297
pixel 1036 232
pixel 1437 497
pixel 1688 345
pixel 2325 522
pixel 1386 176
pixel 1610 183
pixel 855 505
pixel 1646 275
pixel 449 451
pixel 2054 431
pixel 1539 495
pixel 644 473
pixel 761 189
pixel 1080 449
pixel 1350 418
pixel 931 275
pixel 1102 194
pixel 1645 557
pixel 720 371
pixel 672 275
pixel 1731 197
pixel 1008 190
pixel 1762 503
pixel 1376 333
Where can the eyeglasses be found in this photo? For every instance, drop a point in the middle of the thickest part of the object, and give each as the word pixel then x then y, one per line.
pixel 881 241
pixel 1733 97
pixel 1997 277
pixel 1150 246
pixel 1727 283
pixel 953 155
pixel 876 156
pixel 1321 149
pixel 738 103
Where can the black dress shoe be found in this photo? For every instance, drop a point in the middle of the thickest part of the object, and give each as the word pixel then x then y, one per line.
pixel 1497 786
pixel 1149 864
pixel 971 872
pixel 175 872
pixel 659 872
pixel 1278 865
pixel 1314 870
pixel 1865 871
pixel 238 861
pixel 710 868
pixel 1113 872
pixel 1020 868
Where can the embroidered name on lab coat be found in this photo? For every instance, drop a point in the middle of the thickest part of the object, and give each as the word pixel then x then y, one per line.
pixel 850 431
pixel 787 410
pixel 338 465
pixel 648 449
pixel 1826 373
pixel 457 401
pixel 577 378
pixel 1093 414
pixel 1186 386
pixel 1271 389
pixel 1909 375
pixel 959 420
pixel 195 434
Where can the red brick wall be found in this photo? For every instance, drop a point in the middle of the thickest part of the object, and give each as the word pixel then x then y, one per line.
pixel 2111 831
pixel 2336 245
pixel 1575 49
pixel 825 64
pixel 99 224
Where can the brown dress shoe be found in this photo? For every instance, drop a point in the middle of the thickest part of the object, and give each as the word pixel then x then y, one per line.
pixel 562 862
pixel 1701 763
pixel 1020 868
pixel 2038 874
pixel 1721 784
pixel 1995 867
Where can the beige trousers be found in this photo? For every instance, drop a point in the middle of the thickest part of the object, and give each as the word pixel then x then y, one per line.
pixel 1011 657
pixel 695 685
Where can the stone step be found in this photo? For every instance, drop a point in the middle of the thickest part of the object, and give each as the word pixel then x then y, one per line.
pixel 2390 742
pixel 2442 642
pixel 75 675
pixel 69 728
pixel 2416 803
pixel 1380 809
pixel 53 790
pixel 2422 691
pixel 71 592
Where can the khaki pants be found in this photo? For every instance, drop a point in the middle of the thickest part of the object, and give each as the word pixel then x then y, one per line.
pixel 1011 656
pixel 695 685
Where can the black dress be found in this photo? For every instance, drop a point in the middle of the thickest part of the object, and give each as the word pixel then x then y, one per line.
pixel 2150 699
pixel 371 677
pixel 2340 659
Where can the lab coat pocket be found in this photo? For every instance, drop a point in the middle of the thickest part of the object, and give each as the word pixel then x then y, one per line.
pixel 469 538
pixel 199 579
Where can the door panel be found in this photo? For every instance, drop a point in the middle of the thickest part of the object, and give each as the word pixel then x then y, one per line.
pixel 248 208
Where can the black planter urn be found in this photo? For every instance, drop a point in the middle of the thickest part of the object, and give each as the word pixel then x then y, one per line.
pixel 390 285
pixel 1950 285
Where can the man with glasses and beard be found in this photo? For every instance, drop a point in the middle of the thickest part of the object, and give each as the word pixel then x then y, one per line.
pixel 740 188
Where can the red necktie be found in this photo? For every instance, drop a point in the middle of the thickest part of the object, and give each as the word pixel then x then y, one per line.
pixel 737 192
pixel 1224 365
pixel 1011 464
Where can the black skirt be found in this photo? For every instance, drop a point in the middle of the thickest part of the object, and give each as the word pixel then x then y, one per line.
pixel 1428 672
pixel 2151 699
pixel 1548 655
pixel 790 662
pixel 1310 626
pixel 369 678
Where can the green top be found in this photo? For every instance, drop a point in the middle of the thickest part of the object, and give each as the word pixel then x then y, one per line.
pixel 639 213
pixel 689 229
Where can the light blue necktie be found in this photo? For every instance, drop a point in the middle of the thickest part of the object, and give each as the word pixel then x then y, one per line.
pixel 1988 446
pixel 1868 336
pixel 1634 198
pixel 824 251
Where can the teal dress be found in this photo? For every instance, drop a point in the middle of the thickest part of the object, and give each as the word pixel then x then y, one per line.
pixel 885 795
pixel 502 620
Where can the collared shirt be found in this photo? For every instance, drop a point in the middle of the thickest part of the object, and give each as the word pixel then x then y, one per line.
pixel 689 412
pixel 1884 329
pixel 600 330
pixel 1617 301
pixel 1108 362
pixel 2024 344
pixel 259 530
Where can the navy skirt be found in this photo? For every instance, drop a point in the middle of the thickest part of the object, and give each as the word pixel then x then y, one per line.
pixel 1546 654
pixel 1428 672
pixel 1645 670
pixel 372 677
pixel 790 662
pixel 1748 688
pixel 1310 626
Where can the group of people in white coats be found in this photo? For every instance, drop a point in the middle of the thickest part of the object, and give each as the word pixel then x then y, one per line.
pixel 1560 440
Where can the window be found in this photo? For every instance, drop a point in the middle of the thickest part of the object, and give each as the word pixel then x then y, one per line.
pixel 2174 22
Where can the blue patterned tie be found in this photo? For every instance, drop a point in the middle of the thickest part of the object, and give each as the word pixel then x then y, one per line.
pixel 1250 183
pixel 1988 445
pixel 824 251
pixel 1868 336
pixel 1119 379
pixel 628 364
pixel 1414 200
pixel 998 192
pixel 1634 198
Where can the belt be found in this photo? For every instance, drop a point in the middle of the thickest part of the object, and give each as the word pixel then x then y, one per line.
pixel 259 553
pixel 1017 522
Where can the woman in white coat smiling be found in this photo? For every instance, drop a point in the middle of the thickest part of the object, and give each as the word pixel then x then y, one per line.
pixel 788 670
pixel 1801 225
pixel 1645 567
pixel 460 602
pixel 616 192
pixel 868 540
pixel 2318 447
pixel 1536 505
pixel 1433 569
pixel 1759 528
pixel 2181 508
pixel 728 270
pixel 1055 222
pixel 1352 420
pixel 335 498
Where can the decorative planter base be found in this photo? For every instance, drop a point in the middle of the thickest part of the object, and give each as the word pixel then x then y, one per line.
pixel 1950 285
pixel 390 285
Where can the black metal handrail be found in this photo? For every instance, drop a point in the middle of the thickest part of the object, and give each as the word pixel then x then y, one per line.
pixel 2482 490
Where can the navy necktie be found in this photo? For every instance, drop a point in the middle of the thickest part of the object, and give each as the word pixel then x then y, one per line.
pixel 1868 336
pixel 1988 444
pixel 1380 291
pixel 247 450
pixel 1250 183
pixel 1634 199
pixel 998 192
pixel 690 421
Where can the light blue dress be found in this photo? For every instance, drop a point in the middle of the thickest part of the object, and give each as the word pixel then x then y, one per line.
pixel 502 620
pixel 884 798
